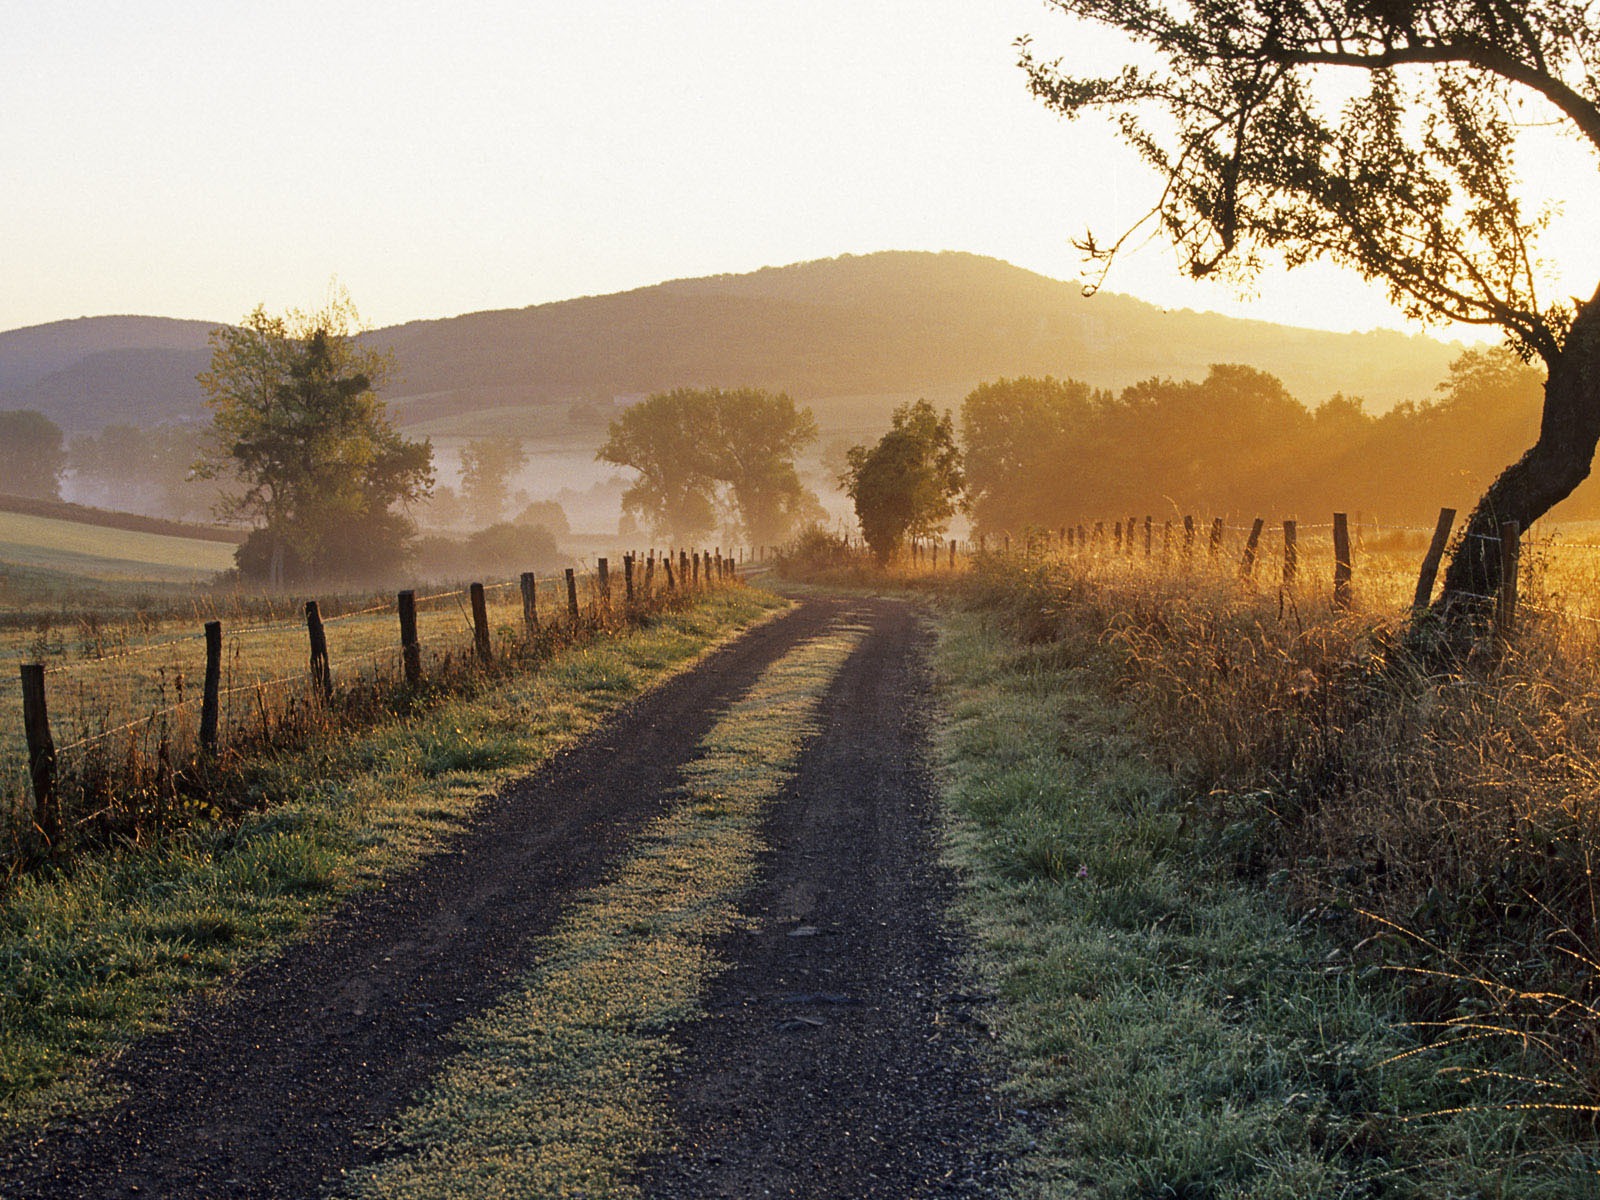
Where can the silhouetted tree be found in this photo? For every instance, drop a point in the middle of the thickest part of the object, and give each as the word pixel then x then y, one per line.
pixel 909 483
pixel 31 454
pixel 693 445
pixel 296 422
pixel 1411 181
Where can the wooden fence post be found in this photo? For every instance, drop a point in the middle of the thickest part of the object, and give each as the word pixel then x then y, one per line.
pixel 321 672
pixel 41 751
pixel 683 570
pixel 410 646
pixel 952 554
pixel 627 580
pixel 666 563
pixel 1188 538
pixel 1291 552
pixel 211 697
pixel 530 602
pixel 1430 561
pixel 1342 570
pixel 1149 537
pixel 572 597
pixel 1166 542
pixel 1216 536
pixel 1116 539
pixel 1129 545
pixel 480 624
pixel 603 569
pixel 1505 613
pixel 1247 565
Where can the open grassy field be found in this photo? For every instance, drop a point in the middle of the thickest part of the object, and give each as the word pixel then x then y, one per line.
pixel 97 552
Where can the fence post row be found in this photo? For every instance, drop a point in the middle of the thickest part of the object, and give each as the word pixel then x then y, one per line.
pixel 480 624
pixel 211 699
pixel 1342 597
pixel 410 647
pixel 321 671
pixel 1430 562
pixel 41 751
pixel 1247 565
pixel 530 602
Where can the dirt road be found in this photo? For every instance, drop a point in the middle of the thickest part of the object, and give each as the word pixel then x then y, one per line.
pixel 835 1059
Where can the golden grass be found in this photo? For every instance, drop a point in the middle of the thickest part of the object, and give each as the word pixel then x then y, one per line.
pixel 1448 823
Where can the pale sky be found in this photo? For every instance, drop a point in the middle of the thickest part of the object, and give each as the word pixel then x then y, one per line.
pixel 193 159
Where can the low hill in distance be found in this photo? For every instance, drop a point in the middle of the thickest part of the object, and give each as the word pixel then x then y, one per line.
pixel 852 335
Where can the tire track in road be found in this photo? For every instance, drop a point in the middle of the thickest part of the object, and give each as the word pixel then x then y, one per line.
pixel 837 1059
pixel 270 1089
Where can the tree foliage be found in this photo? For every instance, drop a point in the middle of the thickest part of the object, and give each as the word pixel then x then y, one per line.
pixel 317 468
pixel 698 450
pixel 487 465
pixel 32 454
pixel 1409 176
pixel 909 483
pixel 1045 453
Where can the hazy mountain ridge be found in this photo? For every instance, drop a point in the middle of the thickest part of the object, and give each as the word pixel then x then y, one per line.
pixel 890 323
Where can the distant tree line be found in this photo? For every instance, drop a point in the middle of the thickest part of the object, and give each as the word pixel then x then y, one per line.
pixel 1043 452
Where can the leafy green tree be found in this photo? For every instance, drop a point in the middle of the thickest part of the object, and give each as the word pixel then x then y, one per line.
pixel 1411 180
pixel 1023 439
pixel 693 447
pixel 758 435
pixel 487 465
pixel 909 484
pixel 32 455
pixel 298 427
pixel 144 470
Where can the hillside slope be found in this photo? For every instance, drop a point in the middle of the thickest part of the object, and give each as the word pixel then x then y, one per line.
pixel 878 325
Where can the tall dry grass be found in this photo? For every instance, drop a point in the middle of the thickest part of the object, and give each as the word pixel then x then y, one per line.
pixel 1447 823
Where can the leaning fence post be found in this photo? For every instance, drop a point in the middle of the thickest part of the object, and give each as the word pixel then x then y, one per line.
pixel 1247 565
pixel 1430 562
pixel 1342 571
pixel 1291 552
pixel 321 673
pixel 530 602
pixel 410 647
pixel 572 597
pixel 211 698
pixel 480 624
pixel 1505 615
pixel 41 751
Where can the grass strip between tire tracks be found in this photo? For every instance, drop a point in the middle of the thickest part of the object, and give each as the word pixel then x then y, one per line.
pixel 557 1091
pixel 1170 1029
pixel 94 954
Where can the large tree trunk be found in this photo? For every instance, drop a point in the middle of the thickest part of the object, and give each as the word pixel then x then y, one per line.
pixel 1556 464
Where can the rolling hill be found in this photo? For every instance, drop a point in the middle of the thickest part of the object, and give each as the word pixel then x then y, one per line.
pixel 851 333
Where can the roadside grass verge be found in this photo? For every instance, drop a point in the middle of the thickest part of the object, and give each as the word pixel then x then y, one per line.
pixel 556 1091
pixel 95 951
pixel 1170 1026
